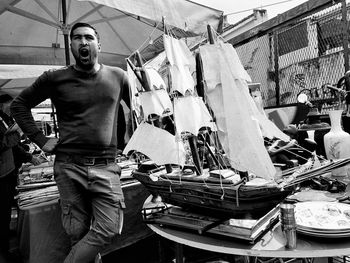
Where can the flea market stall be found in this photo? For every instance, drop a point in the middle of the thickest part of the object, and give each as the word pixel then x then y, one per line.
pixel 208 175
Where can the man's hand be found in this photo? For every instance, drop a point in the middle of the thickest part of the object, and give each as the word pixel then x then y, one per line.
pixel 50 145
pixel 35 160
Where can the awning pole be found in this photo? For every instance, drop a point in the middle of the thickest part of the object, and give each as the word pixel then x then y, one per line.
pixel 65 31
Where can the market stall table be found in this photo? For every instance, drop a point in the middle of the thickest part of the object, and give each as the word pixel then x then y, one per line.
pixel 42 238
pixel 270 245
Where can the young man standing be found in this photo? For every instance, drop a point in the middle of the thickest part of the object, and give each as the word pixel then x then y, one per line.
pixel 86 96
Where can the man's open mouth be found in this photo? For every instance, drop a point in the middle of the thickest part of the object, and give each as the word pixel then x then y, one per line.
pixel 84 53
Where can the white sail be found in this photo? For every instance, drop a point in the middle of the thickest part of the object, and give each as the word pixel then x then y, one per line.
pixel 154 80
pixel 268 128
pixel 191 114
pixel 181 62
pixel 157 144
pixel 155 102
pixel 229 98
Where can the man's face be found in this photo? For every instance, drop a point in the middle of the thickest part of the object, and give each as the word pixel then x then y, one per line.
pixel 85 47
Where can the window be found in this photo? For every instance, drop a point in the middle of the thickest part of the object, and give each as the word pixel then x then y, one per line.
pixel 330 35
pixel 293 39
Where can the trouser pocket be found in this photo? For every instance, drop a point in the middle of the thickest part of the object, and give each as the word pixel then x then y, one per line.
pixel 75 224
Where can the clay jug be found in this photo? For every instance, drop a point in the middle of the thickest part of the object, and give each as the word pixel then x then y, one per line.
pixel 337 141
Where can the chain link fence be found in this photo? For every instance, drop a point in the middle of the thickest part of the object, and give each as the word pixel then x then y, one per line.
pixel 304 56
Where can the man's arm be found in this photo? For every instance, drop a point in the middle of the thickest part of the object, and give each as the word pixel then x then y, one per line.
pixel 22 156
pixel 24 102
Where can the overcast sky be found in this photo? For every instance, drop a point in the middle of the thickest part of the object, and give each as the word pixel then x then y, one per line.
pixel 273 7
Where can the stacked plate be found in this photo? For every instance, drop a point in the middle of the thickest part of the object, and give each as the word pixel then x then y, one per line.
pixel 323 219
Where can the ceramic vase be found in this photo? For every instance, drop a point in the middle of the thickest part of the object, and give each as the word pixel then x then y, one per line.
pixel 337 141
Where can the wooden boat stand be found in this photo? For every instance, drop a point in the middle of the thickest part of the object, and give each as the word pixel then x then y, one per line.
pixel 175 217
pixel 165 215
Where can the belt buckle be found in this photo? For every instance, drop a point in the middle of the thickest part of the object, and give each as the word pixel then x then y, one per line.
pixel 89 161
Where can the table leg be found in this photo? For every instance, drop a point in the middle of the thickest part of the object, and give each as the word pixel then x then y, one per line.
pixel 160 251
pixel 179 253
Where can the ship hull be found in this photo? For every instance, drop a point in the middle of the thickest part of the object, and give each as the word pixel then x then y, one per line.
pixel 215 198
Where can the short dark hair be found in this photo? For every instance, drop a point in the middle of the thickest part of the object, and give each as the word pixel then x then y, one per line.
pixel 81 24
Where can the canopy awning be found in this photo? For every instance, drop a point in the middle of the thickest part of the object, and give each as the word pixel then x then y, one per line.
pixel 23 71
pixel 32 31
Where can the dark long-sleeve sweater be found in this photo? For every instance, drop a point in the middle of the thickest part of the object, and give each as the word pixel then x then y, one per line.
pixel 86 105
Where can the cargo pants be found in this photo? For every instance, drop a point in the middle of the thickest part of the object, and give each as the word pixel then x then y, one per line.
pixel 92 204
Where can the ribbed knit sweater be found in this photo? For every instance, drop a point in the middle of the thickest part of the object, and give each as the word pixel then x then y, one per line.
pixel 86 106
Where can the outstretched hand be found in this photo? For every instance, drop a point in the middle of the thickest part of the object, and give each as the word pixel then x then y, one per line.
pixel 35 160
pixel 50 145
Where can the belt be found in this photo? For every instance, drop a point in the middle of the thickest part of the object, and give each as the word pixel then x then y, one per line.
pixel 84 160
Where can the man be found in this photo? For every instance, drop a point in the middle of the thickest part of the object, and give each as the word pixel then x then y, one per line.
pixel 12 155
pixel 87 97
pixel 8 182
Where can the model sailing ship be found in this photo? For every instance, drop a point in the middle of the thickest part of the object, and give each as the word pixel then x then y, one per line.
pixel 229 171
